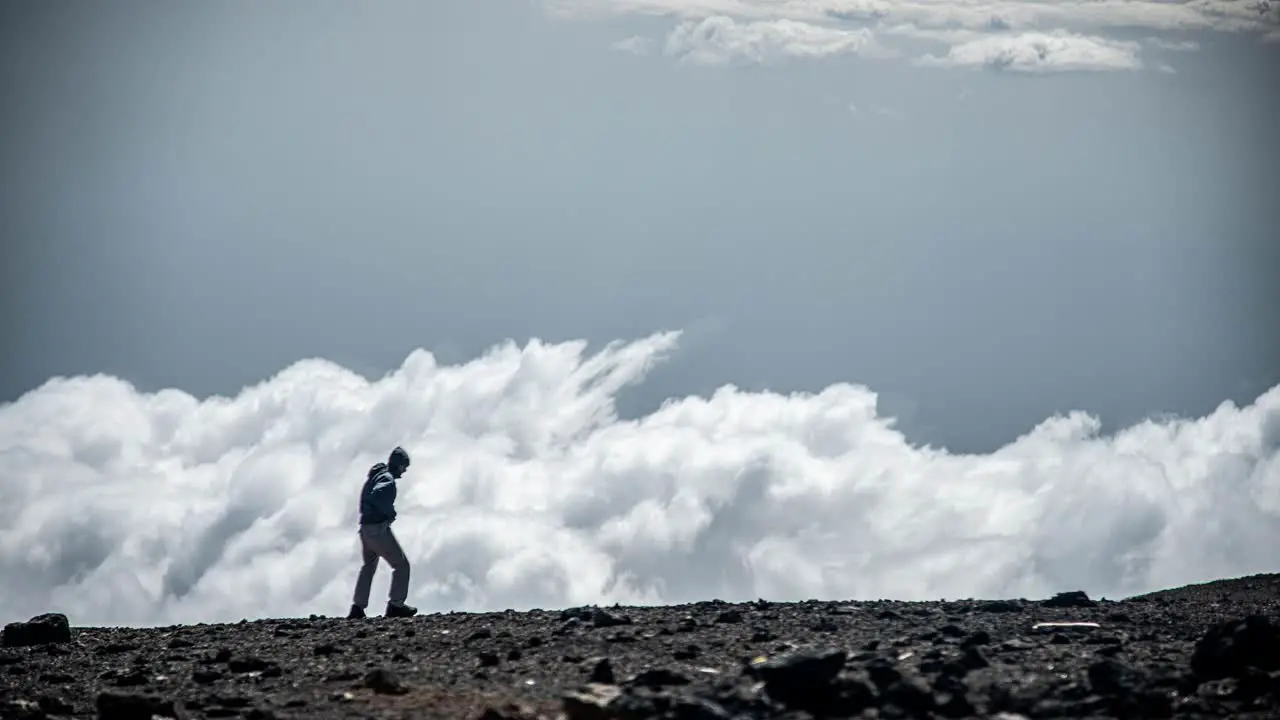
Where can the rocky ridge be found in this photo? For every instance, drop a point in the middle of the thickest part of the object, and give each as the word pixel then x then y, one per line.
pixel 1209 650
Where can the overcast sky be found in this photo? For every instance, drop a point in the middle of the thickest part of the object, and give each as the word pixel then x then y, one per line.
pixel 986 212
pixel 973 218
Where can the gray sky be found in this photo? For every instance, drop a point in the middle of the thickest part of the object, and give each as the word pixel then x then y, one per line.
pixel 199 195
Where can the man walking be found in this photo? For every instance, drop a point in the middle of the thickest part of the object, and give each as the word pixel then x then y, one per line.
pixel 377 512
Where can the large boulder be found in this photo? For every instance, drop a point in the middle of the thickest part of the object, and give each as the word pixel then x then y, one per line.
pixel 1234 647
pixel 43 629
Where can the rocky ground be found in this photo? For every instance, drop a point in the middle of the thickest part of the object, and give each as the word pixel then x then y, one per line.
pixel 1209 650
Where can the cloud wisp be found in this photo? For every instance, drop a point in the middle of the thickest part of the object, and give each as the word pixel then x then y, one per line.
pixel 123 507
pixel 1039 37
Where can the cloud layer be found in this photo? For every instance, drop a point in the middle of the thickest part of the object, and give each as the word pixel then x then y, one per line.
pixel 1041 36
pixel 134 508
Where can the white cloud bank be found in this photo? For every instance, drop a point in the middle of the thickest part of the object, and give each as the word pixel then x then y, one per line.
pixel 965 28
pixel 123 507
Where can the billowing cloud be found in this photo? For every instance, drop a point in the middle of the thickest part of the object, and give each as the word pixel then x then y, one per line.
pixel 966 27
pixel 146 508
pixel 1041 52
pixel 720 40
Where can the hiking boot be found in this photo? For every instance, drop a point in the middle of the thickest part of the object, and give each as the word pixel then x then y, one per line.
pixel 400 610
pixel 356 613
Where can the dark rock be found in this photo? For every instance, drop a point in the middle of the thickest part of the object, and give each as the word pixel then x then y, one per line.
pixel 116 648
pixel 1231 647
pixel 688 652
pixel 576 613
pixel 792 677
pixel 132 678
pixel 697 709
pixel 883 673
pixel 122 706
pixel 1073 599
pixel 384 681
pixel 658 677
pixel 909 694
pixel 204 677
pixel 247 664
pixel 729 617
pixel 999 606
pixel 951 697
pixel 601 671
pixel 54 705
pixel 43 629
pixel 825 625
pixel 1109 677
pixel 604 619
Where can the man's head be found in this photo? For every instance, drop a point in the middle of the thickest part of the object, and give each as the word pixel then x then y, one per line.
pixel 398 462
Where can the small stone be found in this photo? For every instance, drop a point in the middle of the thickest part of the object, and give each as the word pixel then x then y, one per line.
pixel 1109 677
pixel 659 677
pixel 910 694
pixel 825 625
pixel 204 677
pixel 131 678
pixel 729 617
pixel 688 652
pixel 384 681
pixel 883 673
pixel 247 664
pixel 601 671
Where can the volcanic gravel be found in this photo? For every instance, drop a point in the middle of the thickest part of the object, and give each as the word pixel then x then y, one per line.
pixel 1210 650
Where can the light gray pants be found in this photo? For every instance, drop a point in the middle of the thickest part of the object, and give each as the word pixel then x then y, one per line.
pixel 378 542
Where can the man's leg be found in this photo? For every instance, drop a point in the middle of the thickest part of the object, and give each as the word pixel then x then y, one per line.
pixel 385 544
pixel 399 569
pixel 364 580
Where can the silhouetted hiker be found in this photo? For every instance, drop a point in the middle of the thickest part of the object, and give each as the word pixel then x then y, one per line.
pixel 377 512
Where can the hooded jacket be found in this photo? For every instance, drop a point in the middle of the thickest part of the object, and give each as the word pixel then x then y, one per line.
pixel 378 496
